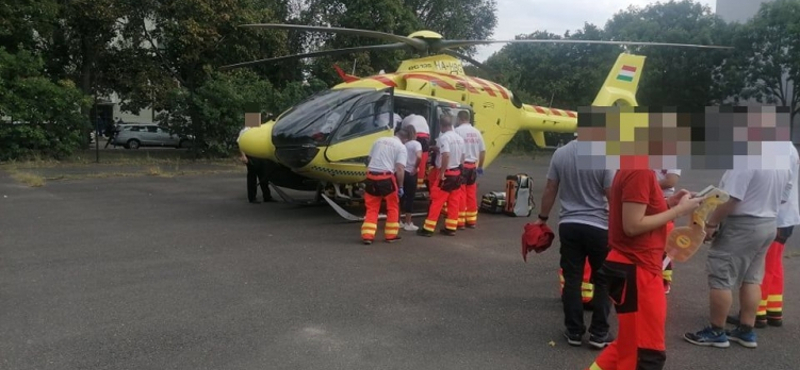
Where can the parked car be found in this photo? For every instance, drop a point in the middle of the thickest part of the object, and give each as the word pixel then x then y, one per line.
pixel 134 136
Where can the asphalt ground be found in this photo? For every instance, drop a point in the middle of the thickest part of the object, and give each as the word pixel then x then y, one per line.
pixel 182 273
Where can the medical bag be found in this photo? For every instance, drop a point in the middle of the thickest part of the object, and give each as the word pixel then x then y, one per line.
pixel 519 195
pixel 494 202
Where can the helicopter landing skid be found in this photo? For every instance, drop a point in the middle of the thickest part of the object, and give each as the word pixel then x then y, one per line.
pixel 353 218
pixel 288 199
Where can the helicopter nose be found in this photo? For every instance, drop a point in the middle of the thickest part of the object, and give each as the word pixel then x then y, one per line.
pixel 257 142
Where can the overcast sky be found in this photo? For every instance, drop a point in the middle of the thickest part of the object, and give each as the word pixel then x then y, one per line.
pixel 516 17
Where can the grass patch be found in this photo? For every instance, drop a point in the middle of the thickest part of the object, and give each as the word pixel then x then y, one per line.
pixel 29 179
pixel 165 158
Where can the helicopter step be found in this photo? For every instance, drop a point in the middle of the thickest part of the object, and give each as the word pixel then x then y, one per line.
pixel 353 218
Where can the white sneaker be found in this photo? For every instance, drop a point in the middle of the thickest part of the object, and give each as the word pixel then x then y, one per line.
pixel 410 227
pixel 402 225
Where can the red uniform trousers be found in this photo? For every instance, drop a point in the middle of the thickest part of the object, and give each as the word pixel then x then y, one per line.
pixel 373 203
pixel 641 306
pixel 438 198
pixel 587 288
pixel 771 307
pixel 468 214
pixel 422 166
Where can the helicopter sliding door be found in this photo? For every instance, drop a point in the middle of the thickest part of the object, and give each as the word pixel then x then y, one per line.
pixel 369 119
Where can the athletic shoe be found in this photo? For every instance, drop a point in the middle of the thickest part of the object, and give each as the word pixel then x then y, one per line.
pixel 471 226
pixel 667 287
pixel 402 225
pixel 747 339
pixel 447 232
pixel 410 227
pixel 708 337
pixel 423 232
pixel 600 342
pixel 366 241
pixel 574 340
pixel 773 322
pixel 397 238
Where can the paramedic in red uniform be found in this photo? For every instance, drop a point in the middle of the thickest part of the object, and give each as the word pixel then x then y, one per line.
pixel 445 180
pixel 474 156
pixel 637 235
pixel 387 159
pixel 423 137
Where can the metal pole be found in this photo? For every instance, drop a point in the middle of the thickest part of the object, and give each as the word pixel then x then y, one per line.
pixel 96 131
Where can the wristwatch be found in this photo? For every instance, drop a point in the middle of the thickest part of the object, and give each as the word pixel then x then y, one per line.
pixel 543 218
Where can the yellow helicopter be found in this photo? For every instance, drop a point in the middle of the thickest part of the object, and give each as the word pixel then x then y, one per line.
pixel 321 144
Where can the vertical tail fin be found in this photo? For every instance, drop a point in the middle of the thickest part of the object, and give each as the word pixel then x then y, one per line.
pixel 622 82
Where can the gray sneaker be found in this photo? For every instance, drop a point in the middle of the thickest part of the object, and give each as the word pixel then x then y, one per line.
pixel 599 342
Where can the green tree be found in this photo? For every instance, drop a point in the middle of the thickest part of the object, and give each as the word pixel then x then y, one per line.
pixel 675 76
pixel 769 55
pixel 45 116
pixel 457 19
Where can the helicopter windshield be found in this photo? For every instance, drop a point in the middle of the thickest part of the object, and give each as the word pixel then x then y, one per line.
pixel 317 120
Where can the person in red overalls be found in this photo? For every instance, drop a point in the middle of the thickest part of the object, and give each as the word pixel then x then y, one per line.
pixel 637 235
pixel 386 168
pixel 474 156
pixel 444 180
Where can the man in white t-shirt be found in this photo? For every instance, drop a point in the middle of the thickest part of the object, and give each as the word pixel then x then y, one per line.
pixel 667 179
pixel 420 125
pixel 737 255
pixel 474 156
pixel 414 152
pixel 445 180
pixel 386 168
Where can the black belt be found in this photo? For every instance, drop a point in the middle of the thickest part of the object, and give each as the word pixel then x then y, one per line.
pixel 380 173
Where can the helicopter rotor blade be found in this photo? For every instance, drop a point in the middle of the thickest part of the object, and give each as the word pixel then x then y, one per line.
pixel 463 43
pixel 415 43
pixel 395 46
pixel 474 62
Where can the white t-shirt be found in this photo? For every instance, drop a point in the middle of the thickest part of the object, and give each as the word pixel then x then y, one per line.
pixel 789 212
pixel 386 153
pixel 661 175
pixel 760 191
pixel 450 142
pixel 473 142
pixel 419 122
pixel 412 148
pixel 383 119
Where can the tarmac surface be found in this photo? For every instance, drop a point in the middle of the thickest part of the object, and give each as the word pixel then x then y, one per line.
pixel 182 273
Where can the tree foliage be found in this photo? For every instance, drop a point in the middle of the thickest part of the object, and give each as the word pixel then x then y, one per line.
pixel 770 55
pixel 43 117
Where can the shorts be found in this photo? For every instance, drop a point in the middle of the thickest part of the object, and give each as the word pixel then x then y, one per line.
pixel 409 192
pixel 737 255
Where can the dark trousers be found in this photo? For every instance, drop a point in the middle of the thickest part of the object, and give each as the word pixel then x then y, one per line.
pixel 257 172
pixel 579 242
pixel 410 191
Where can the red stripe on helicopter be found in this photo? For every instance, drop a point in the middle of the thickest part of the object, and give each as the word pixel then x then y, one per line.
pixel 431 79
pixel 539 109
pixel 571 114
pixel 501 90
pixel 384 80
pixel 464 82
pixel 484 85
pixel 629 68
pixel 556 112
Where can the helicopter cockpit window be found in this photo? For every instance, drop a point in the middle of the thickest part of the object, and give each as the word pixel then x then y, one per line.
pixel 317 118
pixel 369 116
